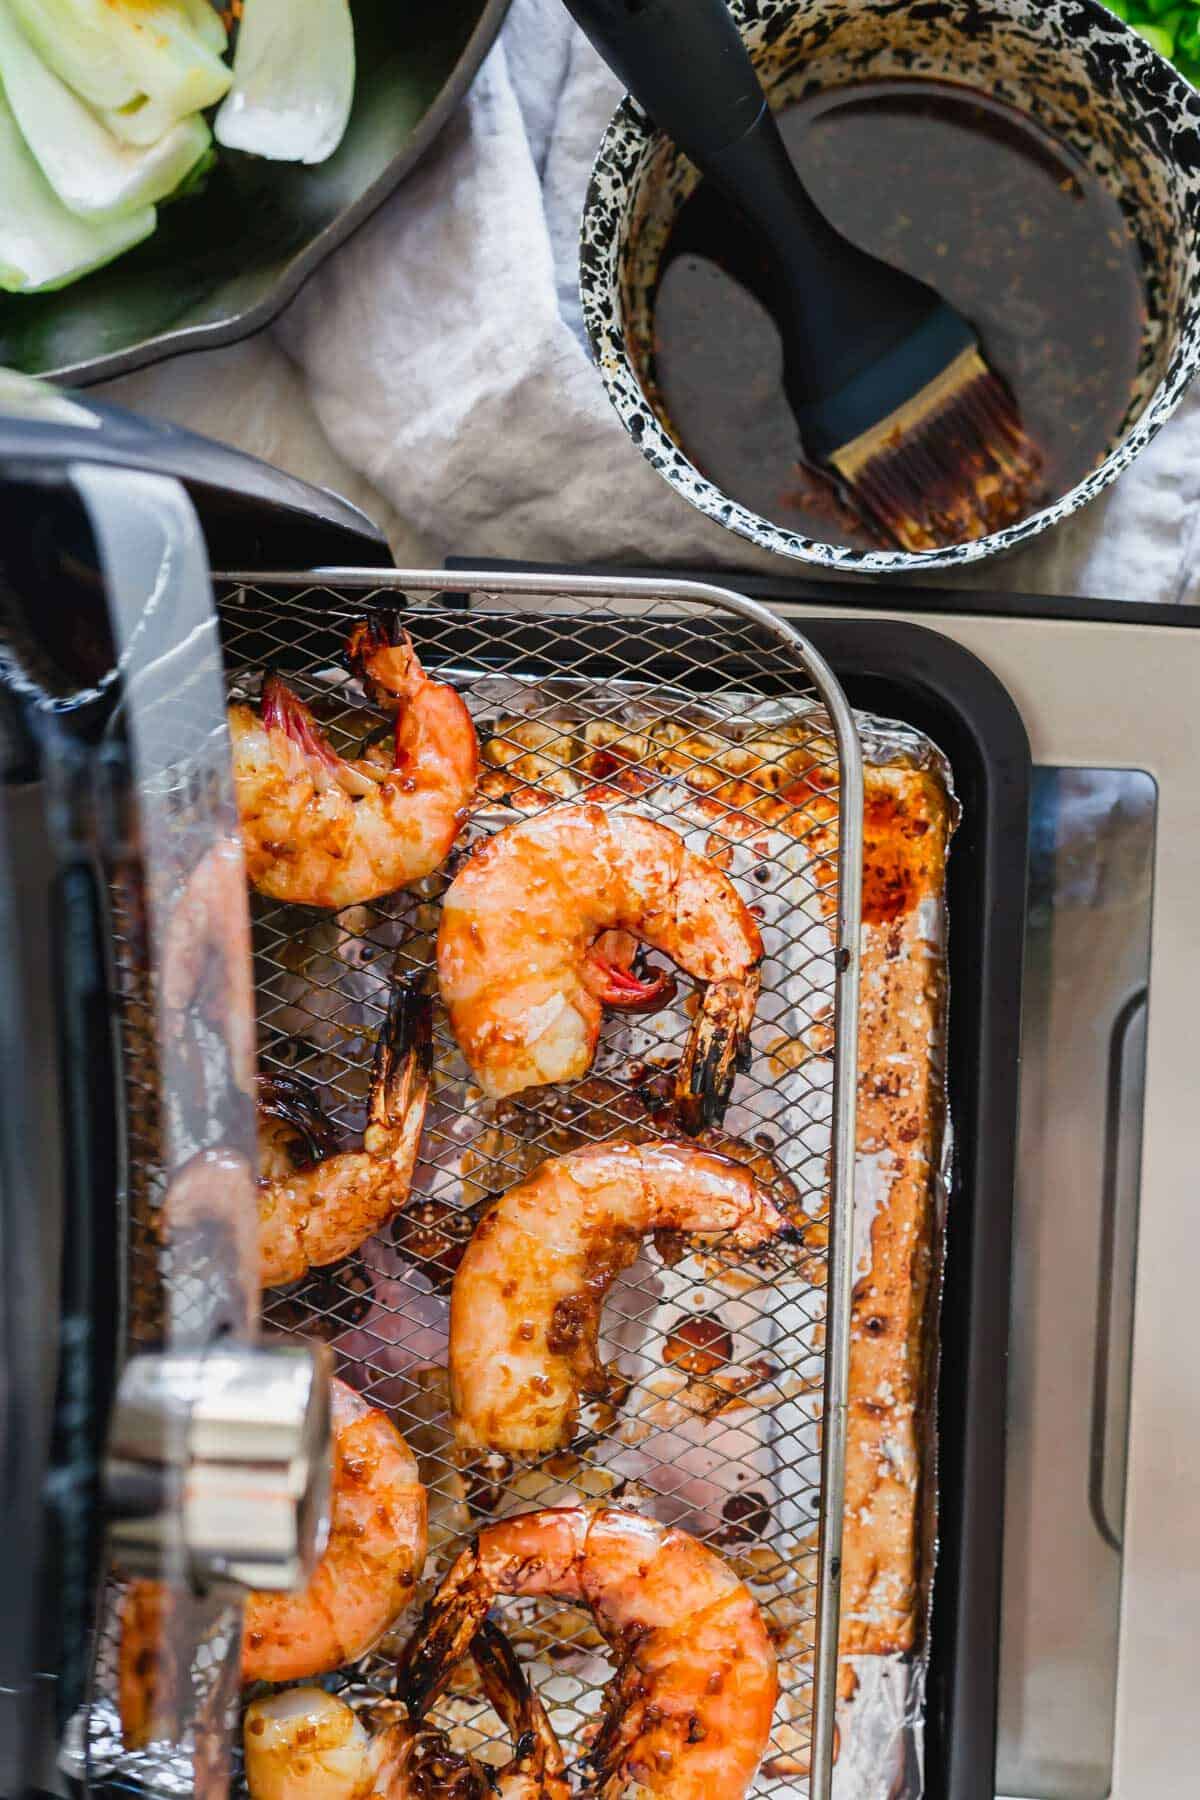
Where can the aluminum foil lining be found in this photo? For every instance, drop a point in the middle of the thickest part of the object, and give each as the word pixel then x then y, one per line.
pixel 881 1727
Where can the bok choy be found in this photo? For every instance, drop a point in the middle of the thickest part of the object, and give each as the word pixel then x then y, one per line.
pixel 42 244
pixel 293 80
pixel 105 109
pixel 92 172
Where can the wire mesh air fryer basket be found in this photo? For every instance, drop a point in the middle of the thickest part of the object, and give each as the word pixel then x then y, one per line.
pixel 727 1411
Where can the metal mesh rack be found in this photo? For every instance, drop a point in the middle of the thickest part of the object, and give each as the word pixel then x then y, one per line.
pixel 727 1414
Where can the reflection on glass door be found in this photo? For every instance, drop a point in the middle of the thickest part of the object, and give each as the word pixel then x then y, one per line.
pixel 1083 1059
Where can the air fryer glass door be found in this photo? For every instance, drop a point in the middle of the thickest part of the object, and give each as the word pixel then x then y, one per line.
pixel 142 1494
pixel 1082 1092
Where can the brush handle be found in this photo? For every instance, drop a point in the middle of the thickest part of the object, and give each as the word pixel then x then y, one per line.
pixel 685 63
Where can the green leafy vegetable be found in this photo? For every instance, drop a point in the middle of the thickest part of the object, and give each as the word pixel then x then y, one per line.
pixel 1168 27
pixel 73 41
pixel 102 114
pixel 207 24
pixel 93 173
pixel 158 42
pixel 143 121
pixel 42 244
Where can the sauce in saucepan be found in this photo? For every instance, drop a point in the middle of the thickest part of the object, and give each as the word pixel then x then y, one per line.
pixel 970 195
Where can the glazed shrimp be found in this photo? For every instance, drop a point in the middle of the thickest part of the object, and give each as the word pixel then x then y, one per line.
pixel 316 1215
pixel 526 1301
pixel 322 831
pixel 688 1711
pixel 361 1584
pixel 304 1744
pixel 371 1563
pixel 517 950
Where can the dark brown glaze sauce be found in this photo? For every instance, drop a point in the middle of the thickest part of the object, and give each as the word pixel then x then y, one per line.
pixel 983 203
pixel 700 1346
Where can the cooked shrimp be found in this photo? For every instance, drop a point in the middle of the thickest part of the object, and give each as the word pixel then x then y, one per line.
pixel 206 955
pixel 371 1563
pixel 304 1744
pixel 364 1580
pixel 688 1711
pixel 316 1215
pixel 517 950
pixel 526 1301
pixel 322 831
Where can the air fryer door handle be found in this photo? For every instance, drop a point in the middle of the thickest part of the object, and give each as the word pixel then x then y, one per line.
pixel 1110 1380
pixel 90 1260
pixel 252 514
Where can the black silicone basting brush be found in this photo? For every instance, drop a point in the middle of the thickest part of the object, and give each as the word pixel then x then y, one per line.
pixel 887 382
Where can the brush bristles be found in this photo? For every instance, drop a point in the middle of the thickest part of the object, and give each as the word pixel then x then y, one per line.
pixel 951 470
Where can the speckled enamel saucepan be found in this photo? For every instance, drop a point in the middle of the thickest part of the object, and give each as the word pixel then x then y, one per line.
pixel 1070 64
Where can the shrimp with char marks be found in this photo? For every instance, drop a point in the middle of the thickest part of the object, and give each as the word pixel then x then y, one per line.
pixel 527 1296
pixel 305 1744
pixel 320 830
pixel 314 1215
pixel 523 980
pixel 688 1711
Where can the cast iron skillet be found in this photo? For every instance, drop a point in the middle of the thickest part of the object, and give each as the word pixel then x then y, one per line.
pixel 224 263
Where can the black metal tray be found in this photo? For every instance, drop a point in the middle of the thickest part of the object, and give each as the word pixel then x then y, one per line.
pixel 916 674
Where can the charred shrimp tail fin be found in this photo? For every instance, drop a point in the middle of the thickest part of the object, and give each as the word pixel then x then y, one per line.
pixel 444 1635
pixel 504 1684
pixel 292 1100
pixel 506 1687
pixel 718 1047
pixel 403 1059
pixel 379 652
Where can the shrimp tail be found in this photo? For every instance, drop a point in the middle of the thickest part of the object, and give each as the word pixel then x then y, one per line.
pixel 454 1627
pixel 536 1747
pixel 445 1634
pixel 379 652
pixel 403 1066
pixel 717 1048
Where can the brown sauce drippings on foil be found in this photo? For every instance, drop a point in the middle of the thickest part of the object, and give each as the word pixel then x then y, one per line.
pixel 901 853
pixel 970 195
